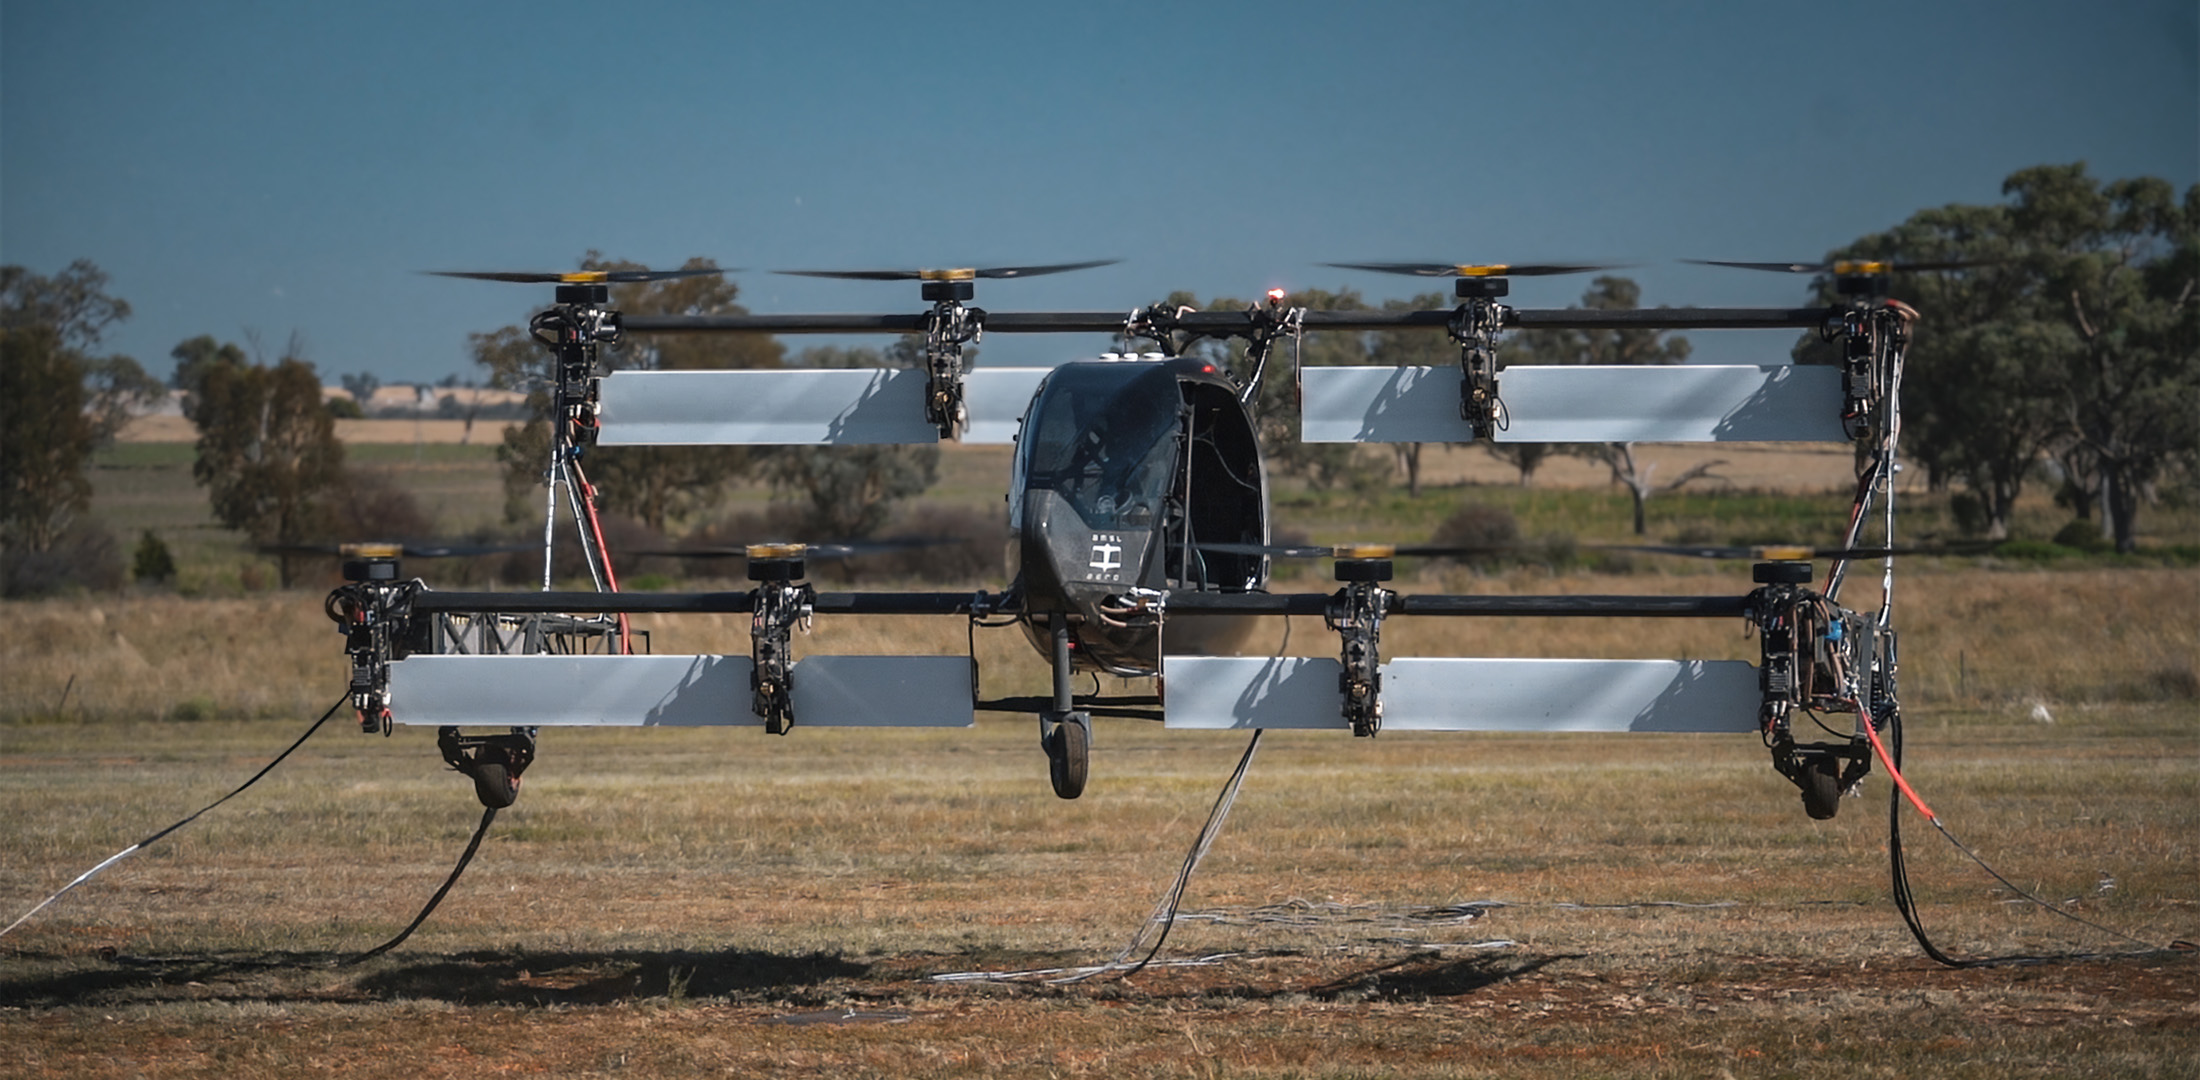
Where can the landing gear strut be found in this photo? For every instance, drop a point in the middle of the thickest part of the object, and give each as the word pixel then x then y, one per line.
pixel 1065 733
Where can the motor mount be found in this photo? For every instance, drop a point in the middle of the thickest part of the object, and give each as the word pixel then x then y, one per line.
pixel 1818 657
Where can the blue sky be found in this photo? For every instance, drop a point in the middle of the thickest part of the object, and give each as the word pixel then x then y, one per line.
pixel 289 168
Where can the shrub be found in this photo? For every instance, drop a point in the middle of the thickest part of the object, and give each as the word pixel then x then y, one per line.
pixel 85 556
pixel 2082 535
pixel 152 562
pixel 1492 530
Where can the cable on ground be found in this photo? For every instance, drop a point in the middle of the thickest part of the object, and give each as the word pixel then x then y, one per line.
pixel 464 857
pixel 140 845
pixel 1163 919
pixel 1905 901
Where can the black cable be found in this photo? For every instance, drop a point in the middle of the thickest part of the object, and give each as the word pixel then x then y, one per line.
pixel 134 848
pixel 464 857
pixel 1905 901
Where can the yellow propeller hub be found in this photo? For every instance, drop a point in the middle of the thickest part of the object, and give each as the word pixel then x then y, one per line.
pixel 1364 551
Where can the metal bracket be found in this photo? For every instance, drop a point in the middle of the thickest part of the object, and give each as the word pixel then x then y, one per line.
pixel 373 612
pixel 947 328
pixel 1160 325
pixel 1873 337
pixel 780 602
pixel 1474 326
pixel 1356 614
pixel 1269 323
pixel 1264 325
pixel 574 331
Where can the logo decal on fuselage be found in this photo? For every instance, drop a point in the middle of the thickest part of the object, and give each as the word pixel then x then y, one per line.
pixel 1107 552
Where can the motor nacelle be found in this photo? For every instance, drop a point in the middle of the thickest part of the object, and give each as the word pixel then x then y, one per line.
pixel 1819 658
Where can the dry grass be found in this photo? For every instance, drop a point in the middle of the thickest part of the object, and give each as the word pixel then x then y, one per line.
pixel 686 901
pixel 668 900
pixel 683 900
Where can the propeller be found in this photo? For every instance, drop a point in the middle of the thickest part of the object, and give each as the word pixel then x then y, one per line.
pixel 390 549
pixel 959 274
pixel 1846 267
pixel 581 277
pixel 1760 552
pixel 1474 270
pixel 782 550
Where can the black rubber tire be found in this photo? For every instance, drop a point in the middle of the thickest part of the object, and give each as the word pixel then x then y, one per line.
pixel 1069 759
pixel 494 785
pixel 1821 784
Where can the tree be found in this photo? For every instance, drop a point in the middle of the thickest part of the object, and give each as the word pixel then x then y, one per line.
pixel 1640 478
pixel 1971 403
pixel 194 358
pixel 2075 339
pixel 267 448
pixel 45 438
pixel 58 403
pixel 2125 258
pixel 655 484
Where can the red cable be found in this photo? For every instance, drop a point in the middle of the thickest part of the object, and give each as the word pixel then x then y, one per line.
pixel 610 577
pixel 1871 730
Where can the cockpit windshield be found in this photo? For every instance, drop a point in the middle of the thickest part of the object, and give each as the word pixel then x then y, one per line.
pixel 1105 437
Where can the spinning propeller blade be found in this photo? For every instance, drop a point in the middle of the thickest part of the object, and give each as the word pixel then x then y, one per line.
pixel 581 277
pixel 781 550
pixel 1761 552
pixel 1477 270
pixel 424 549
pixel 1849 266
pixel 956 274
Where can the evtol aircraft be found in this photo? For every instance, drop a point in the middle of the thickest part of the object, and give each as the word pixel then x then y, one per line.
pixel 1139 513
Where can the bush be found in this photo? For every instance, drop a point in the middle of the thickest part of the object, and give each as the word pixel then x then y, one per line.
pixel 950 546
pixel 1492 530
pixel 369 505
pixel 2082 535
pixel 152 562
pixel 85 557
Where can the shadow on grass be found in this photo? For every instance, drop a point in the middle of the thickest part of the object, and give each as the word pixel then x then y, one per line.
pixel 1420 979
pixel 471 978
pixel 546 978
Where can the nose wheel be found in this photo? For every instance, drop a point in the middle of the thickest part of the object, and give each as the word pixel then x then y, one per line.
pixel 492 762
pixel 1067 738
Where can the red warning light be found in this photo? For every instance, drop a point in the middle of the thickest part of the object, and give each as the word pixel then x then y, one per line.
pixel 1275 296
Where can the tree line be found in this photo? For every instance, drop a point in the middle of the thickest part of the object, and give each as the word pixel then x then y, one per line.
pixel 2065 350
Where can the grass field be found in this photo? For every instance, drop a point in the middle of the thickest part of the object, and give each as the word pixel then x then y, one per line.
pixel 727 903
